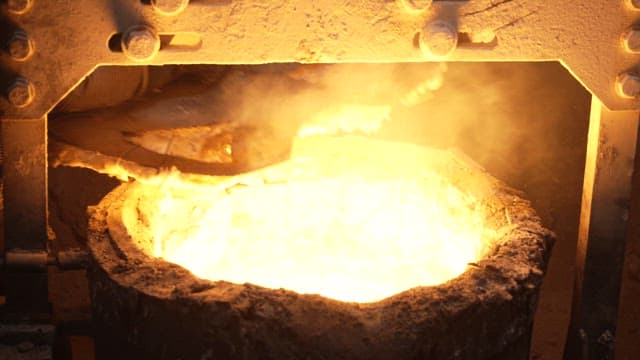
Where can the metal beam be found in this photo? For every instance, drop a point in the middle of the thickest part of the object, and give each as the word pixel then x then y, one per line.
pixel 25 211
pixel 600 51
pixel 606 199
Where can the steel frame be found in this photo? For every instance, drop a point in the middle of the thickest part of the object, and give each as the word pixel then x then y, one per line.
pixel 53 45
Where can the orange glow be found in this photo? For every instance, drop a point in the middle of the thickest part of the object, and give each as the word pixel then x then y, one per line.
pixel 350 218
pixel 347 119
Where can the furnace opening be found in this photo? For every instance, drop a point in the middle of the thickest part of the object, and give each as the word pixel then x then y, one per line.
pixel 349 218
pixel 321 179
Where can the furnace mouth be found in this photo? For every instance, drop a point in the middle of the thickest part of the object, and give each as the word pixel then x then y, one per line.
pixel 134 290
pixel 350 218
pixel 406 216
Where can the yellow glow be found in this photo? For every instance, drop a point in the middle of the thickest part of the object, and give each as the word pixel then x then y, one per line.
pixel 349 218
pixel 366 119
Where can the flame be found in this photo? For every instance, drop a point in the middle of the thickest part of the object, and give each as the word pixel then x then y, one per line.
pixel 350 218
pixel 366 119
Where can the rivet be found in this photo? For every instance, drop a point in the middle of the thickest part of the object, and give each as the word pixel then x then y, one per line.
pixel 438 39
pixel 169 7
pixel 21 93
pixel 140 43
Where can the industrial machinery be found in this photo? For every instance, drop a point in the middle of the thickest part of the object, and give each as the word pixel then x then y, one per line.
pixel 51 46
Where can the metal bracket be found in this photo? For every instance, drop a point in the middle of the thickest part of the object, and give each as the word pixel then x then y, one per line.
pixel 46 59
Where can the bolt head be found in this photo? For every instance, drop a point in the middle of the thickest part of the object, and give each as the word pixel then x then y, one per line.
pixel 140 43
pixel 631 40
pixel 169 7
pixel 21 93
pixel 438 39
pixel 628 85
pixel 19 7
pixel 634 4
pixel 20 47
pixel 416 5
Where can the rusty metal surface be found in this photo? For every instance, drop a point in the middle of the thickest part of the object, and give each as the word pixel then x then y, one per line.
pixel 606 201
pixel 25 209
pixel 70 38
pixel 25 180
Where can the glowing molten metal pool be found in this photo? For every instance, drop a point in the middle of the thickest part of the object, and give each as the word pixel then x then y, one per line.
pixel 349 218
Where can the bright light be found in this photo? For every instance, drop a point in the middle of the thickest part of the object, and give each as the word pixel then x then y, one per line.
pixel 349 218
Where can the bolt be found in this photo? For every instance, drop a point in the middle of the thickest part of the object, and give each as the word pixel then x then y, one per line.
pixel 20 47
pixel 438 39
pixel 21 93
pixel 140 43
pixel 417 5
pixel 19 7
pixel 631 40
pixel 628 85
pixel 634 4
pixel 169 7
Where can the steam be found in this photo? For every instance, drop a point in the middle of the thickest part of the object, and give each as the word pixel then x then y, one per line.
pixel 506 116
pixel 308 100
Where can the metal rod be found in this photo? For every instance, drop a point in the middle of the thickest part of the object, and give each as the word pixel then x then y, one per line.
pixel 38 260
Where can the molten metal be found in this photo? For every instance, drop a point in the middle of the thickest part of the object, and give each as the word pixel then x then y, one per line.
pixel 349 218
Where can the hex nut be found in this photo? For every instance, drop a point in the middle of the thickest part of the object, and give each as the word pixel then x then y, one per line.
pixel 19 7
pixel 628 85
pixel 169 7
pixel 416 5
pixel 21 93
pixel 140 43
pixel 20 47
pixel 438 39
